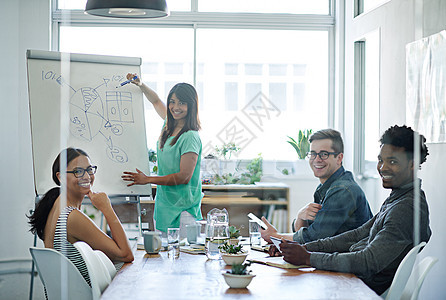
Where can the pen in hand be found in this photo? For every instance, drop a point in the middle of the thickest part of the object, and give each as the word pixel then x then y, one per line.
pixel 128 81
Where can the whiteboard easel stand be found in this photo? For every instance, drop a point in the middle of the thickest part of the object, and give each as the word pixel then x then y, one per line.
pixel 31 284
pixel 129 199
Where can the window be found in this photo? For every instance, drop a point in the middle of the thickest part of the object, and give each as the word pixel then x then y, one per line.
pixel 262 62
pixel 163 66
pixel 371 116
pixel 265 6
pixel 367 61
pixel 259 78
pixel 364 6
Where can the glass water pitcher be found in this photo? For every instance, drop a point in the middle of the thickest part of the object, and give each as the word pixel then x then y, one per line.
pixel 217 231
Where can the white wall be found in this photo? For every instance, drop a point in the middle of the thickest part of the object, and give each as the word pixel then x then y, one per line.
pixel 25 25
pixel 399 23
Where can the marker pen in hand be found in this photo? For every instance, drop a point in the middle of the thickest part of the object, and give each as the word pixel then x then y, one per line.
pixel 128 81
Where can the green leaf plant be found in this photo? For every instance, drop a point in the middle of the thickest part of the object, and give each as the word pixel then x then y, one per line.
pixel 302 145
pixel 234 232
pixel 242 269
pixel 230 249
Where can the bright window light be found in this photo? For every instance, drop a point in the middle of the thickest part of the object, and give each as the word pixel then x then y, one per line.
pixel 266 6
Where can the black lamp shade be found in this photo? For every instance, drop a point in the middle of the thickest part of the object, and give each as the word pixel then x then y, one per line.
pixel 127 8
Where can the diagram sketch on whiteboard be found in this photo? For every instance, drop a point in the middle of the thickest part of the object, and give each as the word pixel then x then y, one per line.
pixel 91 118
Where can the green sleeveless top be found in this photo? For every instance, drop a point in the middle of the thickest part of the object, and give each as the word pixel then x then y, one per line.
pixel 171 200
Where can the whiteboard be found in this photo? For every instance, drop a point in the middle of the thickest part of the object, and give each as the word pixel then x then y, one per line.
pixel 76 100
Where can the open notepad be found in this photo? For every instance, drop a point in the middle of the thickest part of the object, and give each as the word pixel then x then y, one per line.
pixel 193 249
pixel 276 262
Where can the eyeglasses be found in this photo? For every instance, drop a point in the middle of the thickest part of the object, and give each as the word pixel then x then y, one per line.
pixel 323 154
pixel 80 172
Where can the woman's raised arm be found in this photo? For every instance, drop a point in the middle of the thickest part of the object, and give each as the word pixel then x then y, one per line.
pixel 151 95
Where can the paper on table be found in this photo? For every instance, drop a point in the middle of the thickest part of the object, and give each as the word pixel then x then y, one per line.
pixel 192 250
pixel 277 261
pixel 260 248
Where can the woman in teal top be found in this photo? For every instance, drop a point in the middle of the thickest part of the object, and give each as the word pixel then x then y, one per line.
pixel 178 193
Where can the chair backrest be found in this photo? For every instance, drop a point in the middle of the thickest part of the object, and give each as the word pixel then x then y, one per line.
pixel 99 275
pixel 108 264
pixel 402 274
pixel 417 277
pixel 61 278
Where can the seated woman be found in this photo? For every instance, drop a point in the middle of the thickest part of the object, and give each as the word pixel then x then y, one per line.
pixel 59 222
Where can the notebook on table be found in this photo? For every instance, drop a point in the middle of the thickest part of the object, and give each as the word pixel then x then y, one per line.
pixel 277 261
pixel 193 249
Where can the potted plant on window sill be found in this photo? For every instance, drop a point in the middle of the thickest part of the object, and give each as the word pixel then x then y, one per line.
pixel 239 276
pixel 302 147
pixel 152 162
pixel 302 144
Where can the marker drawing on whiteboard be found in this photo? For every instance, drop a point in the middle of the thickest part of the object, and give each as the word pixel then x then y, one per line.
pixel 128 81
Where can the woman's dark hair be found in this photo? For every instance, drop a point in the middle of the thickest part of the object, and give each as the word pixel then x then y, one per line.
pixel 38 219
pixel 403 136
pixel 185 93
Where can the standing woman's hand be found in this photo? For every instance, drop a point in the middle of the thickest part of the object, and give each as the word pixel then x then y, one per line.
pixel 136 178
pixel 137 81
pixel 151 95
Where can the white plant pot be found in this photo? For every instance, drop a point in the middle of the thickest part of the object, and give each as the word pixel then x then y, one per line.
pixel 238 281
pixel 302 168
pixel 234 259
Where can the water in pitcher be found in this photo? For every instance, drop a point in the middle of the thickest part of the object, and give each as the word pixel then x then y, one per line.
pixel 212 251
pixel 217 232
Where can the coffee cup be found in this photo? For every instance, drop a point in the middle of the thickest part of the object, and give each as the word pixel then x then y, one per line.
pixel 152 241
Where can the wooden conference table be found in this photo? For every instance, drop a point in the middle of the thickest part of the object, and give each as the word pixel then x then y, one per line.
pixel 193 276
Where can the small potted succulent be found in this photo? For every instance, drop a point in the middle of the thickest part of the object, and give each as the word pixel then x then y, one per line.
pixel 232 254
pixel 239 276
pixel 234 234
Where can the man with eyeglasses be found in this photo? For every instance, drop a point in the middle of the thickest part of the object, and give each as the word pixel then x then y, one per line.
pixel 339 203
pixel 374 251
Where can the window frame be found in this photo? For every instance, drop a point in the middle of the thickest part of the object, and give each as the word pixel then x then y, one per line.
pixel 361 166
pixel 214 20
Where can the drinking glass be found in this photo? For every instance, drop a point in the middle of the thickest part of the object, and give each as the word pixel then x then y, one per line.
pixel 254 233
pixel 173 240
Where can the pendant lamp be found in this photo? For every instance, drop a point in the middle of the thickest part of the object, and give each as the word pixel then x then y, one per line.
pixel 127 8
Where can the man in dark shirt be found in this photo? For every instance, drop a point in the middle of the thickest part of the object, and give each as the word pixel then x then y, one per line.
pixel 374 251
pixel 339 203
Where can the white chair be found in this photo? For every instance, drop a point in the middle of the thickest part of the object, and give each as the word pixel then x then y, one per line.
pixel 99 275
pixel 108 264
pixel 417 277
pixel 402 274
pixel 61 278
